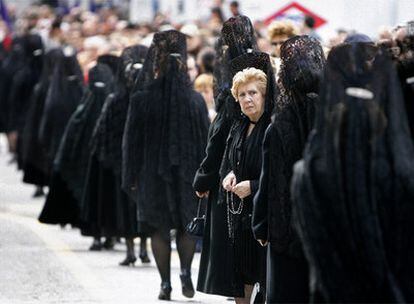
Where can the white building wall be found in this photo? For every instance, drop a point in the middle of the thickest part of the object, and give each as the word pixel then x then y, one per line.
pixel 365 16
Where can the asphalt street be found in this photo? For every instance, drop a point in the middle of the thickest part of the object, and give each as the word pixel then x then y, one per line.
pixel 47 264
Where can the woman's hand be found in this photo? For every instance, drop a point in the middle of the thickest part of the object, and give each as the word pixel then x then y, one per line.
pixel 229 181
pixel 202 194
pixel 242 189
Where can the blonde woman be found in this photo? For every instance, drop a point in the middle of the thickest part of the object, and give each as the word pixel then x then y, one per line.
pixel 240 174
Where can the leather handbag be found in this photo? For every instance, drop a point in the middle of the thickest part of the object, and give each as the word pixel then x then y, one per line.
pixel 196 226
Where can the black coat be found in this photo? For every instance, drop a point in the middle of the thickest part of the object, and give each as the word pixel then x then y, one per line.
pixel 215 268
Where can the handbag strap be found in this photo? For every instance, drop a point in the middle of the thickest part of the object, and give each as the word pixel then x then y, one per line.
pixel 199 206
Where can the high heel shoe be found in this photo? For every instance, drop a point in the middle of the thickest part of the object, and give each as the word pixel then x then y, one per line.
pixel 165 292
pixel 144 258
pixel 187 284
pixel 129 260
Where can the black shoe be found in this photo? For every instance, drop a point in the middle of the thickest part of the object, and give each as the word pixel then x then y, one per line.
pixel 129 260
pixel 38 192
pixel 144 258
pixel 165 292
pixel 187 284
pixel 109 244
pixel 96 245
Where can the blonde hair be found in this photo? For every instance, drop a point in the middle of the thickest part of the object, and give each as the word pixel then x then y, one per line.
pixel 246 76
pixel 202 82
pixel 282 28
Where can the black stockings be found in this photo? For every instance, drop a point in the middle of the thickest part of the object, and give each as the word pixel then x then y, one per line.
pixel 161 248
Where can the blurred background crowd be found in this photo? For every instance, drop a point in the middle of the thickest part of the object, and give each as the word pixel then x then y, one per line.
pixel 101 27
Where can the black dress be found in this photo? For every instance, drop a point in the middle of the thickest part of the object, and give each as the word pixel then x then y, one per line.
pixel 243 157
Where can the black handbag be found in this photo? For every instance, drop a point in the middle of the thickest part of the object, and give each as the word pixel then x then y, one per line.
pixel 196 226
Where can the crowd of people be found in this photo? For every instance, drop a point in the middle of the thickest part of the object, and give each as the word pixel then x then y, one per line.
pixel 300 153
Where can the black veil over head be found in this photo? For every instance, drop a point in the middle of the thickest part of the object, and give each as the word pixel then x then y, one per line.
pixel 101 79
pixel 354 190
pixel 131 64
pixel 237 38
pixel 107 137
pixel 157 62
pixel 302 63
pixel 112 61
pixel 51 58
pixel 166 125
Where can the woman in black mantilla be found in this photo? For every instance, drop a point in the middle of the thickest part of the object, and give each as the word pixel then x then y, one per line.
pixel 164 141
pixel 106 209
pixel 33 154
pixel 253 88
pixel 22 87
pixel 237 38
pixel 65 93
pixel 353 191
pixel 302 63
pixel 11 65
pixel 63 200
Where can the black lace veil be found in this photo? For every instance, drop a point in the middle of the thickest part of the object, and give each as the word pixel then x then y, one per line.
pixel 166 124
pixel 353 189
pixel 237 38
pixel 107 138
pixel 302 63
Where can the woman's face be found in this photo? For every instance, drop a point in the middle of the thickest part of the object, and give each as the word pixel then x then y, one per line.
pixel 276 43
pixel 251 100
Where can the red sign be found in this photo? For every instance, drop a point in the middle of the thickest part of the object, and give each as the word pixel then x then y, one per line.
pixel 295 12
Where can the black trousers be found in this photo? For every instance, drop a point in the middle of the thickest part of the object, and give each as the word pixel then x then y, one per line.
pixel 287 278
